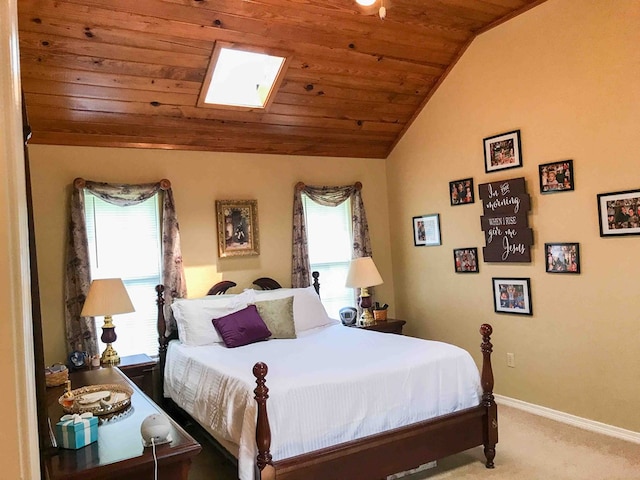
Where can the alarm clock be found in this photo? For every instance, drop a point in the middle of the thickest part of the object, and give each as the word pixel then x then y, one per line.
pixel 348 316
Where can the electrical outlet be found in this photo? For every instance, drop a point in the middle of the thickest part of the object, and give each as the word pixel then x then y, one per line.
pixel 511 360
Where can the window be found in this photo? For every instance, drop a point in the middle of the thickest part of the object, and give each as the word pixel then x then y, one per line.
pixel 242 77
pixel 124 242
pixel 330 244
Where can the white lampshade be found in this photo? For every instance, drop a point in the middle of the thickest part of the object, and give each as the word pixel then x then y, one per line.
pixel 365 3
pixel 363 273
pixel 107 296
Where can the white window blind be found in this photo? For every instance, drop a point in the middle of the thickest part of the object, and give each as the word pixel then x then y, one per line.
pixel 330 249
pixel 124 242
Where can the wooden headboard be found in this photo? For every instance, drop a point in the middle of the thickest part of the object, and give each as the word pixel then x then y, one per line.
pixel 221 288
pixel 265 283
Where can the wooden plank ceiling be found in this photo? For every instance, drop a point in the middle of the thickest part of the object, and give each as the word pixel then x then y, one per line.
pixel 129 72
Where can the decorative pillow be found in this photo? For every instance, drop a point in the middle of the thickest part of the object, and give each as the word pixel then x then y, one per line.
pixel 193 316
pixel 308 311
pixel 278 316
pixel 242 327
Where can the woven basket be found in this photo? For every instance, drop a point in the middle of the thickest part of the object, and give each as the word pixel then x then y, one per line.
pixel 55 379
pixel 380 315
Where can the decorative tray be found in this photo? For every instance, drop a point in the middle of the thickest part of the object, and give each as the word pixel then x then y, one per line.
pixel 98 399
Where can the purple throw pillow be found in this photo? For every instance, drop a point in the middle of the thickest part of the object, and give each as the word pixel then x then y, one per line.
pixel 242 327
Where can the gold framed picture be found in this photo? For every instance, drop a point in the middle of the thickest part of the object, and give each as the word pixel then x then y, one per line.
pixel 237 228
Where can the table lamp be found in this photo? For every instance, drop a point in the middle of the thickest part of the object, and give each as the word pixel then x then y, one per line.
pixel 107 296
pixel 363 274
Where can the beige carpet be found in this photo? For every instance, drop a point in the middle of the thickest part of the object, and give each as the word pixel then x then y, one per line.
pixel 536 448
pixel 530 448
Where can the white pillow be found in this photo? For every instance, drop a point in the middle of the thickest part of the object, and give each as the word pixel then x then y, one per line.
pixel 308 311
pixel 194 316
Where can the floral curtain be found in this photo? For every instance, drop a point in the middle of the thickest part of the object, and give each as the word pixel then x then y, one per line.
pixel 331 197
pixel 81 331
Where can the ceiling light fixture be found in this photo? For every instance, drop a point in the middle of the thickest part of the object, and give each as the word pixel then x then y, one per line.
pixel 382 11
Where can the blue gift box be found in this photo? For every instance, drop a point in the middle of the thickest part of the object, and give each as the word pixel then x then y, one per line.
pixel 77 431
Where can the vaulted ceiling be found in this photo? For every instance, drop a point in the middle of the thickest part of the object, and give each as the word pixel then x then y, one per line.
pixel 127 73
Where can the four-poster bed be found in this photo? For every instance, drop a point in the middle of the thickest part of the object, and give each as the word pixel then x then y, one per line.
pixel 371 456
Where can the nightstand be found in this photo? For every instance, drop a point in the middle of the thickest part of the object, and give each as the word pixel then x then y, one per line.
pixel 388 326
pixel 139 369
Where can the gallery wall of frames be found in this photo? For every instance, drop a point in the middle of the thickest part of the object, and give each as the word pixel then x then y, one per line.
pixel 505 221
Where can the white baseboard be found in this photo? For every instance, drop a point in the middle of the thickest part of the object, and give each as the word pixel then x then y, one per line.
pixel 569 419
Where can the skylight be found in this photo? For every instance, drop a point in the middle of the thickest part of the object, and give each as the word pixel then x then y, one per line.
pixel 240 77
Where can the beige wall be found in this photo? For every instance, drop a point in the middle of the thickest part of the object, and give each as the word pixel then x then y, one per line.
pixel 566 74
pixel 198 179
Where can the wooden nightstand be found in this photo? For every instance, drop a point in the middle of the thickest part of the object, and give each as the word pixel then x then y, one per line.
pixel 139 369
pixel 389 326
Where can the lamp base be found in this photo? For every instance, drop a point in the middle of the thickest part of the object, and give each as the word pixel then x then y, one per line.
pixel 366 318
pixel 110 356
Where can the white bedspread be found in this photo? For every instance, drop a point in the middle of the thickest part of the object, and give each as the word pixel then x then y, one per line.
pixel 330 385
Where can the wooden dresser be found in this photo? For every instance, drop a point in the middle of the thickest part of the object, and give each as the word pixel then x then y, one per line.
pixel 119 454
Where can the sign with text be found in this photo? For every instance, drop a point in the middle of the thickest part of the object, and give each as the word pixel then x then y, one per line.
pixel 508 237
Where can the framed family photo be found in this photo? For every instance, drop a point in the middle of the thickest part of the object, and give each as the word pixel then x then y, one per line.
pixel 502 151
pixel 562 257
pixel 461 191
pixel 237 227
pixel 619 213
pixel 426 230
pixel 512 295
pixel 556 177
pixel 465 260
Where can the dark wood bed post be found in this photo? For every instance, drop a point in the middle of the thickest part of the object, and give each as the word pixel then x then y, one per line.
pixel 316 283
pixel 491 419
pixel 161 326
pixel 263 430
